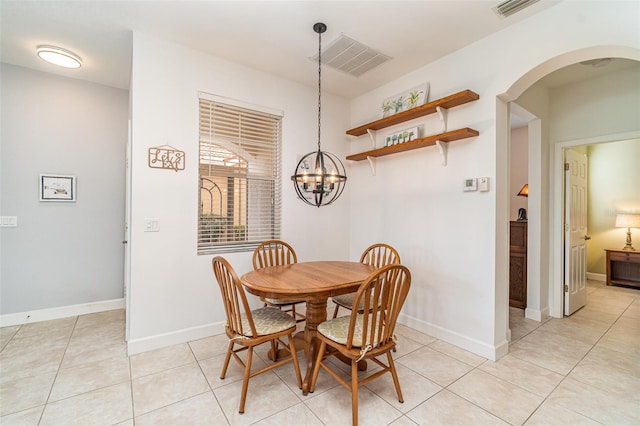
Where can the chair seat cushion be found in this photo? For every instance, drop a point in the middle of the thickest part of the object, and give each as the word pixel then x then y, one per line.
pixel 346 301
pixel 281 302
pixel 337 329
pixel 268 320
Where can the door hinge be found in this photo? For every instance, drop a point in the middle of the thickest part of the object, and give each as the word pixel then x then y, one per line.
pixel 566 288
pixel 566 166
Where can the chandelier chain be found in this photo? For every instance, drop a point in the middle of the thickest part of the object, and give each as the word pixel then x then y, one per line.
pixel 319 84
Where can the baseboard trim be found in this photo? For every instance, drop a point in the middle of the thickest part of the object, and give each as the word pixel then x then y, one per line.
pixel 20 318
pixel 479 348
pixel 596 277
pixel 145 344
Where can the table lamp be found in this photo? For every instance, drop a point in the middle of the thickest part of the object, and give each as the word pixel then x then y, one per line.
pixel 628 220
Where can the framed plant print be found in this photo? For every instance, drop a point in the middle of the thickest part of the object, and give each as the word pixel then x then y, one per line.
pixel 57 187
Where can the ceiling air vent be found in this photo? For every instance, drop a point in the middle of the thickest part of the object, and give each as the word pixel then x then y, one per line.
pixel 350 56
pixel 509 7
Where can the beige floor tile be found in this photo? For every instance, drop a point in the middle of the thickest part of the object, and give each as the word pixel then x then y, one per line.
pixel 28 392
pixel 423 339
pixel 523 374
pixel 200 410
pixel 403 421
pixel 499 397
pixel 47 329
pixel 88 377
pixel 552 414
pixel 405 346
pixel 622 339
pixel 596 313
pixel 161 359
pixel 457 353
pixel 435 366
pixel 551 351
pixel 106 406
pixel 615 372
pixel 595 403
pixel 7 333
pixel 24 357
pixel 299 414
pixel 260 402
pixel 101 319
pixel 167 387
pixel 334 408
pixel 93 349
pixel 415 389
pixel 448 409
pixel 582 329
pixel 209 346
pixel 29 417
pixel 212 367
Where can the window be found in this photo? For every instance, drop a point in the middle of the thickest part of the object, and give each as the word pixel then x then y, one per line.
pixel 239 175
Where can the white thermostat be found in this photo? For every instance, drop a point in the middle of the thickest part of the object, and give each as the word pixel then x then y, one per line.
pixel 470 184
pixel 483 184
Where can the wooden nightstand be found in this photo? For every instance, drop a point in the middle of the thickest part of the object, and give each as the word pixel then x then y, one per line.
pixel 623 267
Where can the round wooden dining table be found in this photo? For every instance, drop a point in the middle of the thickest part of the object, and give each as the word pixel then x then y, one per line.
pixel 313 282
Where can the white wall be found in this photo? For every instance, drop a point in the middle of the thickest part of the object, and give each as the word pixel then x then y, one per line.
pixel 614 187
pixel 449 238
pixel 173 294
pixel 61 254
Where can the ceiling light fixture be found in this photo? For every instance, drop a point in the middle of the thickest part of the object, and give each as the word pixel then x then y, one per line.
pixel 319 178
pixel 59 56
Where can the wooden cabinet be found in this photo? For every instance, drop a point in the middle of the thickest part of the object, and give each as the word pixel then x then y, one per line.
pixel 439 105
pixel 518 264
pixel 623 267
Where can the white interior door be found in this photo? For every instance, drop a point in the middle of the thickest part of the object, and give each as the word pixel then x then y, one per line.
pixel 575 241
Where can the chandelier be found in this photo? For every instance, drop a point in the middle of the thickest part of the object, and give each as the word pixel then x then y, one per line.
pixel 320 177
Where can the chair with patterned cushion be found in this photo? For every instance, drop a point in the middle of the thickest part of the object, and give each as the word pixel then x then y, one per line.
pixel 378 255
pixel 248 329
pixel 274 253
pixel 366 334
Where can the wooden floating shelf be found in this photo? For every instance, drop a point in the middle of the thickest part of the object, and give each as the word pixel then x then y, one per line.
pixel 451 101
pixel 453 135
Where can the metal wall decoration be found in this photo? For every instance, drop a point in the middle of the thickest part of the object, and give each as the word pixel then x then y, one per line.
pixel 166 157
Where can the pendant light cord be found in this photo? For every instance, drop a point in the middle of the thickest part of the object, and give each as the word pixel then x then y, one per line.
pixel 319 83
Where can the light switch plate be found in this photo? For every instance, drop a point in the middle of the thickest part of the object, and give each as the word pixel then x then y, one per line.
pixel 8 221
pixel 151 224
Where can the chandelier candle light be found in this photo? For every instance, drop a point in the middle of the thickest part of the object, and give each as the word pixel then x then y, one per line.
pixel 320 177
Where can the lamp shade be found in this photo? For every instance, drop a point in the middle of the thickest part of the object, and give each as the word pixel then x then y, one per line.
pixel 524 192
pixel 626 220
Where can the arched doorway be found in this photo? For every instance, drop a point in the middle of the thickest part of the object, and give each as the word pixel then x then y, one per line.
pixel 545 205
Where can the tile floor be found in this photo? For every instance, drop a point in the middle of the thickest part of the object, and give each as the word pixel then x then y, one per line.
pixel 581 370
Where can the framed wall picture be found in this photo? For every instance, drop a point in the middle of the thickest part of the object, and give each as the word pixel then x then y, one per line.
pixel 57 187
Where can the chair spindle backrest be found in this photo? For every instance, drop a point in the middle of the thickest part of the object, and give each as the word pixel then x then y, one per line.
pixel 233 298
pixel 380 255
pixel 273 253
pixel 388 286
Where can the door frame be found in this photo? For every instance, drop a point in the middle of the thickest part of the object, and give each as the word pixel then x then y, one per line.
pixel 556 292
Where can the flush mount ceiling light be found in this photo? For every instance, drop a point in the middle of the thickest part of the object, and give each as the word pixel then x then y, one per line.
pixel 319 178
pixel 59 56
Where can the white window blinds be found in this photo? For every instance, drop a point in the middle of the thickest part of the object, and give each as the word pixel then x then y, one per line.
pixel 239 169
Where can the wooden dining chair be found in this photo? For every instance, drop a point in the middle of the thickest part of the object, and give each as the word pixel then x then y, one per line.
pixel 368 334
pixel 378 255
pixel 274 253
pixel 248 329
